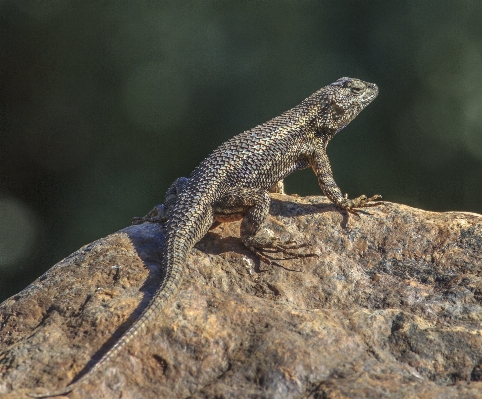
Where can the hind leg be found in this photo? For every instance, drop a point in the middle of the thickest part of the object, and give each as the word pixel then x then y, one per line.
pixel 159 214
pixel 253 204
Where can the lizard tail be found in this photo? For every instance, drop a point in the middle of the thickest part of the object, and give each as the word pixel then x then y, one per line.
pixel 174 265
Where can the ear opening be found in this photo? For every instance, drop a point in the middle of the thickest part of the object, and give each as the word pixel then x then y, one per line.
pixel 339 110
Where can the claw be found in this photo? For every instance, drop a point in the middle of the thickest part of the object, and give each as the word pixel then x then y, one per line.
pixel 374 198
pixel 286 251
pixel 354 212
pixel 260 255
pixel 158 214
pixel 362 201
pixel 139 220
pixel 292 244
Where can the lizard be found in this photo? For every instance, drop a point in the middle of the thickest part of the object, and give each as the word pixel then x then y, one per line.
pixel 234 181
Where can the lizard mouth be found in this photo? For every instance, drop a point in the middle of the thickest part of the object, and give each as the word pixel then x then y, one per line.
pixel 371 93
pixel 374 89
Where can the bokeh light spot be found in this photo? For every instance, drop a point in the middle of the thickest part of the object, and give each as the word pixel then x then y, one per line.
pixel 18 232
pixel 57 138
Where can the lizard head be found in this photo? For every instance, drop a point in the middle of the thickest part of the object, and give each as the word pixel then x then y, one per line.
pixel 341 102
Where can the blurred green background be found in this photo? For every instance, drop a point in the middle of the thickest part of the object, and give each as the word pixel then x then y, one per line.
pixel 104 103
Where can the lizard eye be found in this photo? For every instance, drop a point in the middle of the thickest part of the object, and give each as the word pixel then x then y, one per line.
pixel 356 90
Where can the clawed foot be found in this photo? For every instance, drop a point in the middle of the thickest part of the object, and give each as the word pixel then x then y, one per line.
pixel 139 220
pixel 158 214
pixel 360 202
pixel 271 244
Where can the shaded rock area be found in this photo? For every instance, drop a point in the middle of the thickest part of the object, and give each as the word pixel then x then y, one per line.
pixel 391 308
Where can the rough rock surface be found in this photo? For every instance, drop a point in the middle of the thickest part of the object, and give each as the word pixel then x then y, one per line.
pixel 391 308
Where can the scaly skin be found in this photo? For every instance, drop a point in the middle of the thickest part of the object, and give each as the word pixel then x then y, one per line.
pixel 235 180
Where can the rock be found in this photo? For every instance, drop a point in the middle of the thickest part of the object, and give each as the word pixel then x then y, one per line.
pixel 391 308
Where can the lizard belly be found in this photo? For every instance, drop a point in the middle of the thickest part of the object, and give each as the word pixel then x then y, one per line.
pixel 225 215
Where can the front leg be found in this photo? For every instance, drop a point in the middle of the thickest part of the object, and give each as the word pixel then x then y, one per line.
pixel 321 166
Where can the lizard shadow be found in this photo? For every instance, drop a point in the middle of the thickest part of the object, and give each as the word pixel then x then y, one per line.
pixel 285 207
pixel 214 244
pixel 147 242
